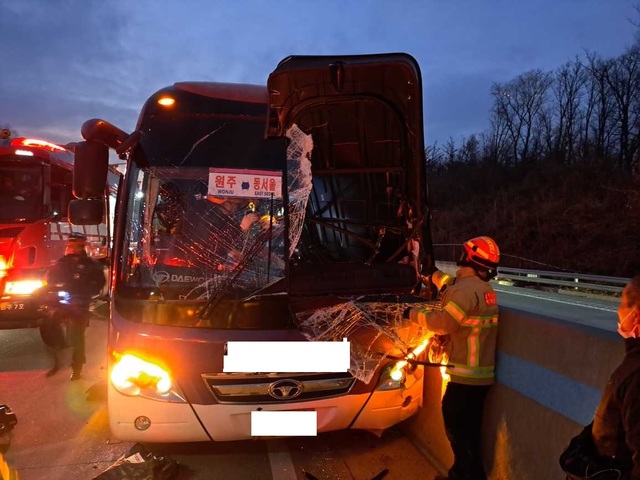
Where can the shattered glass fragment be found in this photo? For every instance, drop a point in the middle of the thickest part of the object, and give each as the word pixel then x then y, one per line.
pixel 377 328
pixel 299 181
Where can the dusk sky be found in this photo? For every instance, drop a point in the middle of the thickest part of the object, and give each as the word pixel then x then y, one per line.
pixel 66 61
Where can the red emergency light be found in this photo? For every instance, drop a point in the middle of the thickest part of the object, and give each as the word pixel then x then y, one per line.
pixel 37 143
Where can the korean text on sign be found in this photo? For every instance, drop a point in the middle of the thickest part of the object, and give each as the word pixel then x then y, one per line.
pixel 244 183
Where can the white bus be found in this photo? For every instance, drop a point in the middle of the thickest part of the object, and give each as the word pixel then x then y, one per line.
pixel 295 212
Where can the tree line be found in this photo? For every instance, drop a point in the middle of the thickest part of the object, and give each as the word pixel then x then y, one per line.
pixel 556 176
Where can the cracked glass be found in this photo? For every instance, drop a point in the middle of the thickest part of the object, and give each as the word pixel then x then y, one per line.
pixel 198 233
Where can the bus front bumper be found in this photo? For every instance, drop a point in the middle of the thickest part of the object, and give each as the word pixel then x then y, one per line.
pixel 182 422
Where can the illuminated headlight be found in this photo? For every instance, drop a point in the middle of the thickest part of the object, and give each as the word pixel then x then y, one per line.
pixel 131 375
pixel 23 287
pixel 393 376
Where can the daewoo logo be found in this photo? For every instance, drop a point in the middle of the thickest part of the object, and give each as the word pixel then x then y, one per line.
pixel 285 389
pixel 161 277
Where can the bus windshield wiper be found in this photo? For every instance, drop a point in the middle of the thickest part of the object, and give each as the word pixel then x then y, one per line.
pixel 237 270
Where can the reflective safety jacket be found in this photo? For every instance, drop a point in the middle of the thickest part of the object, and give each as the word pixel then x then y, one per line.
pixel 469 314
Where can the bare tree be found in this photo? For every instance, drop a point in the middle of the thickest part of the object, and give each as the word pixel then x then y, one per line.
pixel 568 89
pixel 519 103
pixel 470 150
pixel 495 143
pixel 435 158
pixel 599 110
pixel 623 79
pixel 450 151
pixel 544 136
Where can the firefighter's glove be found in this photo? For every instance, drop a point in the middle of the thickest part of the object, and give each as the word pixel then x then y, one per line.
pixel 438 348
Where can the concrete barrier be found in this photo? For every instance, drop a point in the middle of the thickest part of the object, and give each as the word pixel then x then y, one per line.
pixel 550 375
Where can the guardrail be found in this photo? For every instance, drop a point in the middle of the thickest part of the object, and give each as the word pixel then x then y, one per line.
pixel 574 281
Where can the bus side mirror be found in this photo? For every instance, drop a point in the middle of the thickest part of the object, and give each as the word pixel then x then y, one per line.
pixel 90 168
pixel 86 212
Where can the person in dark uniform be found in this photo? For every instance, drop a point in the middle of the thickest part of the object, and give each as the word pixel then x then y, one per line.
pixel 77 278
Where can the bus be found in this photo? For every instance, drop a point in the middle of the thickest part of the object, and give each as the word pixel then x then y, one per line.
pixel 36 188
pixel 288 212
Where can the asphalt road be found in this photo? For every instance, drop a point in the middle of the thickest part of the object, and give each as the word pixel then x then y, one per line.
pixel 63 433
pixel 599 312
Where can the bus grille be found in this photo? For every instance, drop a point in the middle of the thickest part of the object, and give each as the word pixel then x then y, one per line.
pixel 277 388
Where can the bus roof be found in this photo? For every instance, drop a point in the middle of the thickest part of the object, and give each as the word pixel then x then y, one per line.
pixel 242 92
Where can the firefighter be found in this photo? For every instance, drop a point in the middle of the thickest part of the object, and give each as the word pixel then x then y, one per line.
pixel 466 327
pixel 77 278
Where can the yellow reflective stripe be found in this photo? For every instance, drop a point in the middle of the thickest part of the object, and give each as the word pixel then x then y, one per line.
pixel 440 279
pixel 473 347
pixel 471 372
pixel 455 311
pixel 482 321
pixel 478 250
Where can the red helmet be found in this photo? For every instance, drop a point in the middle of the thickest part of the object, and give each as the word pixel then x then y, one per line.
pixel 483 252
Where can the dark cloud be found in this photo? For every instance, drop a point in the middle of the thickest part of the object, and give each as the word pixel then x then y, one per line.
pixel 65 61
pixel 57 63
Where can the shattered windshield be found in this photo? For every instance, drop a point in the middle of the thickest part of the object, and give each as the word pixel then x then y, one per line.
pixel 207 234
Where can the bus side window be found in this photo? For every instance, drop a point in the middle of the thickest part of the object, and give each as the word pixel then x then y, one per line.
pixel 61 193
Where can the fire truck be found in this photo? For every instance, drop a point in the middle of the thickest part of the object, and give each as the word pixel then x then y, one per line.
pixel 36 185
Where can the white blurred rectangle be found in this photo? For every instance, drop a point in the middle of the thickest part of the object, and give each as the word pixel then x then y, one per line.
pixel 287 357
pixel 284 424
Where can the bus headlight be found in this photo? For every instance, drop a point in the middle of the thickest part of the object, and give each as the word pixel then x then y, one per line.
pixel 22 287
pixel 393 376
pixel 131 375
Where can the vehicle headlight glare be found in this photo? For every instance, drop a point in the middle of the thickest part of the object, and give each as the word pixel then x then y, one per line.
pixel 23 287
pixel 131 375
pixel 393 376
pixel 396 374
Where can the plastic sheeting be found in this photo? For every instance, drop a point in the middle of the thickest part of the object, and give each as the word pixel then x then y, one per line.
pixel 141 464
